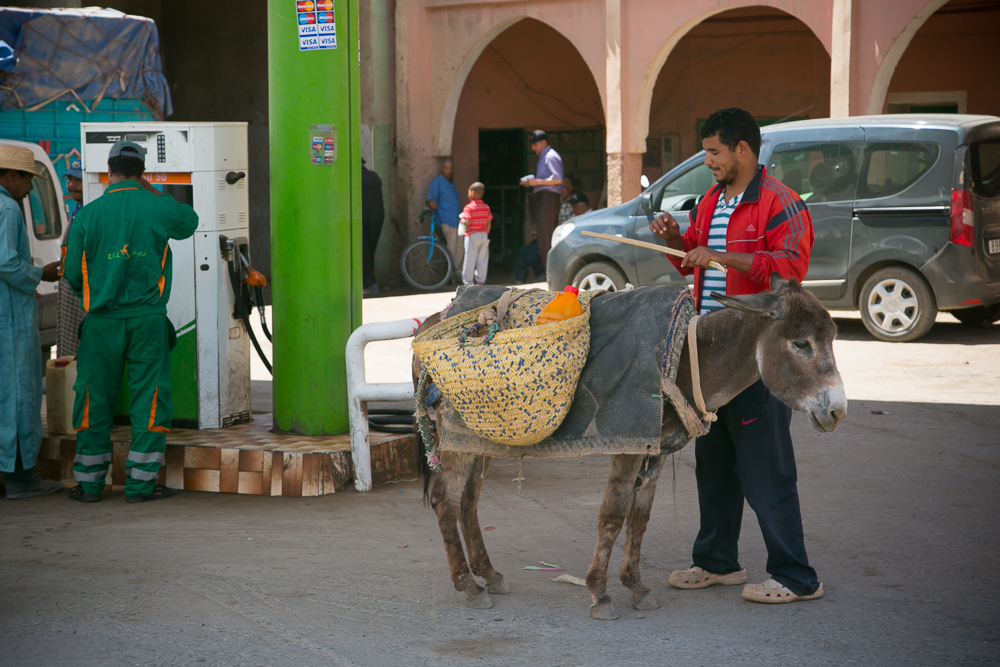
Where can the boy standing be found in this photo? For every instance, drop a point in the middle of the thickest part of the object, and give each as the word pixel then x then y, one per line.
pixel 477 217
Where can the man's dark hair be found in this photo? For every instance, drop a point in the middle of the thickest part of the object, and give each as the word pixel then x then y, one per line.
pixel 733 125
pixel 129 167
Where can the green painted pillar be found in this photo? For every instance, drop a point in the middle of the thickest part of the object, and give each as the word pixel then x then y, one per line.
pixel 313 97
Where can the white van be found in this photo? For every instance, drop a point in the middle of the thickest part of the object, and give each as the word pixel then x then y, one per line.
pixel 45 215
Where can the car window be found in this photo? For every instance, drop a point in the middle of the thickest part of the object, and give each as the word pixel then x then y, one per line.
pixel 818 172
pixel 44 206
pixel 681 193
pixel 986 168
pixel 891 167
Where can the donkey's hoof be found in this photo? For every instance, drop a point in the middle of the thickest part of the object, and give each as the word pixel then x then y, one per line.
pixel 498 585
pixel 603 611
pixel 644 602
pixel 480 600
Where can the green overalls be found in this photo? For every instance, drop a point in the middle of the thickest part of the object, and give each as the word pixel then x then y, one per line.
pixel 118 259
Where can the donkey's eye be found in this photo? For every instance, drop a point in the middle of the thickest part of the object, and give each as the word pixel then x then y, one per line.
pixel 801 344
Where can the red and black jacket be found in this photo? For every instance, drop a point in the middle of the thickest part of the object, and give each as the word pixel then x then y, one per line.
pixel 771 221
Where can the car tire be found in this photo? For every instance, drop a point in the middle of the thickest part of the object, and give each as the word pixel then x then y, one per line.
pixel 897 305
pixel 980 316
pixel 599 276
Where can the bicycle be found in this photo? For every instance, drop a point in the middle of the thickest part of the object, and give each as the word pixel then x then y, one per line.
pixel 426 263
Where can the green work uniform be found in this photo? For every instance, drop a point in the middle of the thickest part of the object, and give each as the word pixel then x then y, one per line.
pixel 118 259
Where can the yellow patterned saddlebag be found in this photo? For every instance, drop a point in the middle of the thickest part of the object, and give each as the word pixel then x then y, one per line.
pixel 511 380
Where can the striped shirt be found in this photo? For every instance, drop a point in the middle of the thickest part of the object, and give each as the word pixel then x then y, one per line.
pixel 477 216
pixel 715 280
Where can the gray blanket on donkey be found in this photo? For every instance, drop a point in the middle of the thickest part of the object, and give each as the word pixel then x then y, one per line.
pixel 617 408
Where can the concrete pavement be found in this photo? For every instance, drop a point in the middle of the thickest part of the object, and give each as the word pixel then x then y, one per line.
pixel 899 508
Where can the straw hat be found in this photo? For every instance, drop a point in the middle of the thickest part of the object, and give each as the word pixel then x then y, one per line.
pixel 19 159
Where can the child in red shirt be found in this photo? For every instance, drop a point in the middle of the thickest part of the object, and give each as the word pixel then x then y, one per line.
pixel 476 218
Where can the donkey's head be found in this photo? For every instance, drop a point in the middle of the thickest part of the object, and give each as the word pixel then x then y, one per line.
pixel 795 351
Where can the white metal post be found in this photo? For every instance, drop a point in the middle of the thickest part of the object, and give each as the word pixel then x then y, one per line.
pixel 360 392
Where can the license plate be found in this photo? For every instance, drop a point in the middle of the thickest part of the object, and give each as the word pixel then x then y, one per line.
pixel 993 246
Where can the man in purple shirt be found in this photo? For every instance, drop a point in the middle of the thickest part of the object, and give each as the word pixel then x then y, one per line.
pixel 546 186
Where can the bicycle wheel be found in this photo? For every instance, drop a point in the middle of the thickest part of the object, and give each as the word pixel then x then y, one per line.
pixel 425 265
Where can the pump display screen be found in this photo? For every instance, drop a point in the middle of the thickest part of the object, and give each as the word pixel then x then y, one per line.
pixel 136 137
pixel 182 193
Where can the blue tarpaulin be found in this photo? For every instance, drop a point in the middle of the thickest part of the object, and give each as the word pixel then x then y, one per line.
pixel 82 54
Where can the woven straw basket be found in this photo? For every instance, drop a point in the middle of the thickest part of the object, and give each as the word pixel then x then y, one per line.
pixel 512 382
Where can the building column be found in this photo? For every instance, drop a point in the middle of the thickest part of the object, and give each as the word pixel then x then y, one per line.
pixel 624 172
pixel 623 168
pixel 315 219
pixel 840 59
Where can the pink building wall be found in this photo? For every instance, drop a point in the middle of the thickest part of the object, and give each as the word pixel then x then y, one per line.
pixel 633 48
pixel 781 69
pixel 529 77
pixel 968 63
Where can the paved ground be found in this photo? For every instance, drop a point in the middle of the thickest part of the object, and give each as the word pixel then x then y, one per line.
pixel 900 518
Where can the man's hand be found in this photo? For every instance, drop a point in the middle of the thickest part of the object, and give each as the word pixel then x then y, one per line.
pixel 432 205
pixel 527 183
pixel 665 227
pixel 701 256
pixel 50 272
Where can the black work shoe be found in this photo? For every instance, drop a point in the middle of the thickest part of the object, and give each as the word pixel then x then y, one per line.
pixel 158 493
pixel 76 493
pixel 41 487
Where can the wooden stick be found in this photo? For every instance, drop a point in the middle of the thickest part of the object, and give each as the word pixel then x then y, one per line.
pixel 648 246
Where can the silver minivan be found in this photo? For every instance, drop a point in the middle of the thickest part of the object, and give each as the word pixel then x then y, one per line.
pixel 905 211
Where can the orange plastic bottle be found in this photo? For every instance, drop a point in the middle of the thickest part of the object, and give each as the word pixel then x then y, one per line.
pixel 564 306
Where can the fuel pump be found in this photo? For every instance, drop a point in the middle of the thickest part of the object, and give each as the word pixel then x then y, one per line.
pixel 203 165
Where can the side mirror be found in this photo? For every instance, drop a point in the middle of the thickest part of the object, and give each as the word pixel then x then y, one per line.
pixel 644 181
pixel 646 202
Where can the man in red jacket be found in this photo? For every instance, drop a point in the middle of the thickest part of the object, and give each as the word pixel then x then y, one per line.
pixel 755 226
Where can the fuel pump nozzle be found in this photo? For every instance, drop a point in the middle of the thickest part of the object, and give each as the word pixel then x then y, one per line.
pixel 248 288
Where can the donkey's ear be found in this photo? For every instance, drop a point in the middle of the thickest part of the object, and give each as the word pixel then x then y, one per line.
pixel 767 304
pixel 777 282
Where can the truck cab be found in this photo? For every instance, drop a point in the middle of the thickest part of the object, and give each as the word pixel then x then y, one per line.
pixel 46 219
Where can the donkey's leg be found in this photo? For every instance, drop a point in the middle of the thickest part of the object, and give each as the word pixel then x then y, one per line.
pixel 469 517
pixel 617 497
pixel 636 519
pixel 446 498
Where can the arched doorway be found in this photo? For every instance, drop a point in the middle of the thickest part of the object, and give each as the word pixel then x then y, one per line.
pixel 949 66
pixel 529 77
pixel 759 58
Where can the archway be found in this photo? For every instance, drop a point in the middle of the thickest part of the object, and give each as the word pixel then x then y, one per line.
pixel 944 62
pixel 759 58
pixel 507 93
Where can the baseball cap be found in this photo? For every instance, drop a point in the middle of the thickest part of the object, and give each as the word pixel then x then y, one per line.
pixel 75 169
pixel 536 136
pixel 578 198
pixel 128 149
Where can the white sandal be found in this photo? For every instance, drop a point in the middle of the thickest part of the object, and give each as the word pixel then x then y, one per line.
pixel 771 592
pixel 696 577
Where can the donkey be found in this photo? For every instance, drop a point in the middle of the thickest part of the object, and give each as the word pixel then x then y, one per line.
pixel 784 337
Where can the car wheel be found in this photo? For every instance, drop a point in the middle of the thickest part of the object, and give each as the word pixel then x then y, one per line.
pixel 897 305
pixel 599 276
pixel 980 316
